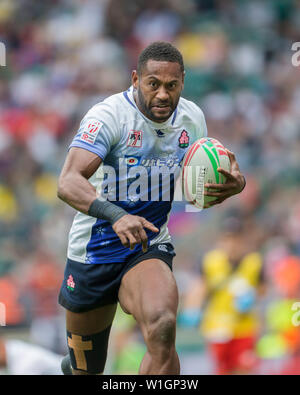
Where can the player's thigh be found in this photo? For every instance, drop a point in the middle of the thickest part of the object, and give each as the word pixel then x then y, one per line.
pixel 149 291
pixel 92 321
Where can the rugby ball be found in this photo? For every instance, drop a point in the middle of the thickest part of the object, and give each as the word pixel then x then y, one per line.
pixel 199 167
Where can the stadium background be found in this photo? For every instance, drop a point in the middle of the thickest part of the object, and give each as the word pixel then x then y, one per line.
pixel 65 55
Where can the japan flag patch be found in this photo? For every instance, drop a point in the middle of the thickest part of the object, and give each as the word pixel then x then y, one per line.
pixel 90 131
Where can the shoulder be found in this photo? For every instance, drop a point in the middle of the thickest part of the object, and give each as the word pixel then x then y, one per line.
pixel 190 109
pixel 191 113
pixel 110 110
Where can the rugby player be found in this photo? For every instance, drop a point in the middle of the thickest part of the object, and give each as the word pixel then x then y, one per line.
pixel 119 248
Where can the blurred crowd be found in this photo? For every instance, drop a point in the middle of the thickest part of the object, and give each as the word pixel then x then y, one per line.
pixel 63 56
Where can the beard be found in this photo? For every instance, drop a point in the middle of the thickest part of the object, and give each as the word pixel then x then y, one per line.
pixel 147 110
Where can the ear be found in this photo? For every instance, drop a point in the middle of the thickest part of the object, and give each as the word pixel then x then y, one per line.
pixel 135 79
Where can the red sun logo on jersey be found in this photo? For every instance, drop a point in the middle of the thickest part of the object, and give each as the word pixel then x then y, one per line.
pixel 184 139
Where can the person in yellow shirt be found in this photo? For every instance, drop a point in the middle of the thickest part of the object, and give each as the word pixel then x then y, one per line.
pixel 222 301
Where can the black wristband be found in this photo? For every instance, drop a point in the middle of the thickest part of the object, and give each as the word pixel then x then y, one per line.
pixel 106 210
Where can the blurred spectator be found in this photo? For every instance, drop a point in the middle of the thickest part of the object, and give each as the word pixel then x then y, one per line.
pixel 11 296
pixel 282 338
pixel 20 358
pixel 223 299
pixel 43 282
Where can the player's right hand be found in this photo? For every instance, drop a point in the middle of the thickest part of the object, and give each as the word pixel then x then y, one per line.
pixel 130 229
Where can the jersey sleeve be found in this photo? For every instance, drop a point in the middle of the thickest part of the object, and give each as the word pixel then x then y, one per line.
pixel 202 128
pixel 98 131
pixel 203 125
pixel 194 114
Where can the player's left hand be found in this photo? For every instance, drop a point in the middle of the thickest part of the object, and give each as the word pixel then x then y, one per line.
pixel 235 183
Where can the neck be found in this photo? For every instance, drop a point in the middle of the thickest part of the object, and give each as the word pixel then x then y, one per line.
pixel 137 102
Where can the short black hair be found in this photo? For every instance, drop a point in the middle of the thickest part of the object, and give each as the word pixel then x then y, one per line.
pixel 160 51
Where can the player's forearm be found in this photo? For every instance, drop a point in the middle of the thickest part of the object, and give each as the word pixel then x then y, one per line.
pixel 76 191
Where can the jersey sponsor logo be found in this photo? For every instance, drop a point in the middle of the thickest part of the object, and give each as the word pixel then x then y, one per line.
pixel 90 131
pixel 184 139
pixel 169 161
pixel 132 160
pixel 134 138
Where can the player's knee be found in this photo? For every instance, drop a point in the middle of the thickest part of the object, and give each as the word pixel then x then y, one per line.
pixel 161 330
pixel 88 353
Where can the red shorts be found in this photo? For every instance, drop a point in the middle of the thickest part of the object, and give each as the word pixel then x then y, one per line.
pixel 237 355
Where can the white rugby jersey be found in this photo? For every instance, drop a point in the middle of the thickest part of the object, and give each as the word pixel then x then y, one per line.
pixel 138 157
